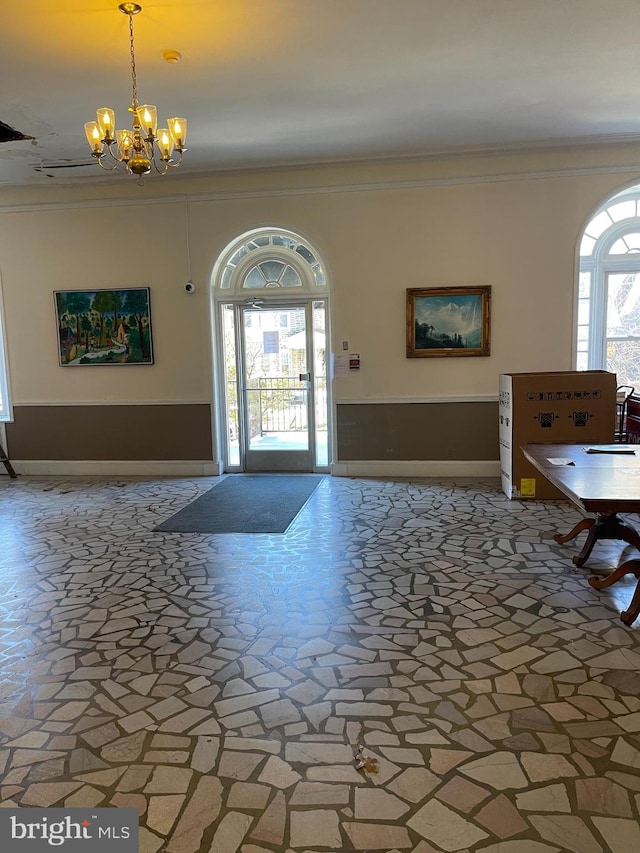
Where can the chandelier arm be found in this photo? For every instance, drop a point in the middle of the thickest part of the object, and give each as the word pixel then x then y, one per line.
pixel 114 156
pixel 173 165
pixel 108 168
pixel 159 170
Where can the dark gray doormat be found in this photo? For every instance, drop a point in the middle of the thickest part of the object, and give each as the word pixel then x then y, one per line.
pixel 245 503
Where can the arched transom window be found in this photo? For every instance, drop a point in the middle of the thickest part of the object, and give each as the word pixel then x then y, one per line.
pixel 609 290
pixel 270 260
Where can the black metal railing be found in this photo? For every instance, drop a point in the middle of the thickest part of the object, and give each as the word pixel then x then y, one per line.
pixel 279 404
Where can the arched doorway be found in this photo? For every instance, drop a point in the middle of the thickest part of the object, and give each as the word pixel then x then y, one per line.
pixel 271 308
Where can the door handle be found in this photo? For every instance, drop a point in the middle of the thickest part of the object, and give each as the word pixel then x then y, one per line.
pixel 304 377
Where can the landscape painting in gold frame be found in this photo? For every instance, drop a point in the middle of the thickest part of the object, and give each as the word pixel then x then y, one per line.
pixel 448 321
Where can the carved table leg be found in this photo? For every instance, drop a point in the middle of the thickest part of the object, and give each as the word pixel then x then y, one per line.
pixel 583 524
pixel 630 567
pixel 630 615
pixel 607 527
pixel 587 548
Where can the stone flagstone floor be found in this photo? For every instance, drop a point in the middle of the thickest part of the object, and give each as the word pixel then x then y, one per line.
pixel 230 686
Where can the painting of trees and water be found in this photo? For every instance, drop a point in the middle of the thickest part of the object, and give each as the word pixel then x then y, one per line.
pixel 448 321
pixel 102 327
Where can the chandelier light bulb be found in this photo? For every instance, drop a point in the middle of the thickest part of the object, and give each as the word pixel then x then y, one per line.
pixel 178 131
pixel 93 137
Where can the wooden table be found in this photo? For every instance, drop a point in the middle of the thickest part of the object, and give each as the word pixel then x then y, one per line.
pixel 604 484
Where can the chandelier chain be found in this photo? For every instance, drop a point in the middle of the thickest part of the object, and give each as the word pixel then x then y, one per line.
pixel 134 82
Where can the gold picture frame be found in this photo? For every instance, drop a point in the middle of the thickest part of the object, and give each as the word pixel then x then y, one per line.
pixel 448 321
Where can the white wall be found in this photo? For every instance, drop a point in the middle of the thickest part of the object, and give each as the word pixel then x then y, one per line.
pixel 508 221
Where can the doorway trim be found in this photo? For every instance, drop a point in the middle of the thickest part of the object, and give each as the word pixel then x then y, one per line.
pixel 270 266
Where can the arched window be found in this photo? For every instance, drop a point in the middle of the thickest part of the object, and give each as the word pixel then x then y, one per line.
pixel 269 260
pixel 608 331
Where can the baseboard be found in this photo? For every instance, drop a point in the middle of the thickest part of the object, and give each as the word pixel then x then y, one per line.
pixel 419 468
pixel 120 468
pixel 189 468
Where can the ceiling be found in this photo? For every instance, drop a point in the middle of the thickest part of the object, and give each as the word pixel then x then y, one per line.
pixel 273 82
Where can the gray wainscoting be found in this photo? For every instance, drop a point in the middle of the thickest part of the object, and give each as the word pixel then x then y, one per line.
pixel 111 432
pixel 416 431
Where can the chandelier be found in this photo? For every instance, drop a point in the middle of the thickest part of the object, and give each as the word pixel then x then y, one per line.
pixel 144 145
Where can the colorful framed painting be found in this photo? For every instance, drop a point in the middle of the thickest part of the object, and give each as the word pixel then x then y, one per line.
pixel 448 321
pixel 104 327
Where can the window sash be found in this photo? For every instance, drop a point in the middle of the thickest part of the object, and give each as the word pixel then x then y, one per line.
pixel 619 217
pixel 6 413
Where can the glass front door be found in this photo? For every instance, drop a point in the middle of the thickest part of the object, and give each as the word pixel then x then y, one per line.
pixel 275 386
pixel 277 389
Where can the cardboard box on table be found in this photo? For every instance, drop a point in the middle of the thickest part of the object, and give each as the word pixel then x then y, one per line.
pixel 555 408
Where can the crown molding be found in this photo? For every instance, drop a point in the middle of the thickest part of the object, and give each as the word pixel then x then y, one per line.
pixel 632 169
pixel 452 152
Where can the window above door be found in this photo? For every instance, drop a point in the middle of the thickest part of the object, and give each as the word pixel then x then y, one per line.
pixel 273 261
